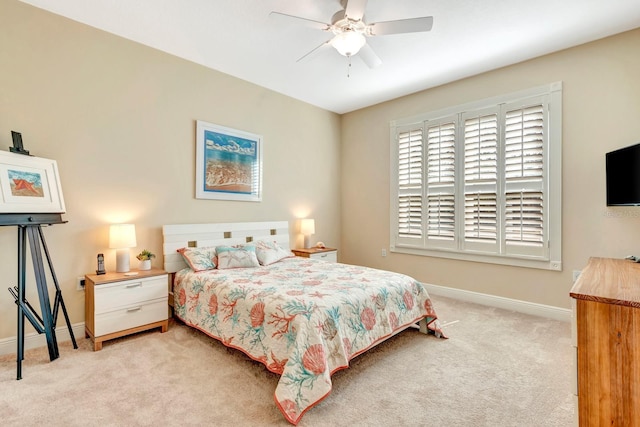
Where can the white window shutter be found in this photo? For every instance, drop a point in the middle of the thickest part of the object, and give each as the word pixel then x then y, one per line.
pixel 410 216
pixel 410 184
pixel 481 148
pixel 525 197
pixel 481 217
pixel 441 216
pixel 524 218
pixel 481 214
pixel 441 178
pixel 441 153
pixel 524 143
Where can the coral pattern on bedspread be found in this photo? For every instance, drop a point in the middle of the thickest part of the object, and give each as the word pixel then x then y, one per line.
pixel 303 318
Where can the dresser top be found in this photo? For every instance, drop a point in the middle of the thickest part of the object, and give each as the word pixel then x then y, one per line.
pixel 99 279
pixel 610 281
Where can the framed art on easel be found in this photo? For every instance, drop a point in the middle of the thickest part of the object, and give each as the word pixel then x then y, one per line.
pixel 29 184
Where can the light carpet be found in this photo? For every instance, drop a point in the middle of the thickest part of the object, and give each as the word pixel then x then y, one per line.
pixel 498 368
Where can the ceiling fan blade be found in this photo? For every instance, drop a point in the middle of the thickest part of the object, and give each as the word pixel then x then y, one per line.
pixel 369 57
pixel 307 22
pixel 412 25
pixel 354 9
pixel 315 50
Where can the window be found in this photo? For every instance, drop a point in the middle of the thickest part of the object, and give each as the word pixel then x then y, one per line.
pixel 481 181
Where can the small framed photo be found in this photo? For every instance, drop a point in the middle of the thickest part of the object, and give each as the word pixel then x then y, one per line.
pixel 228 163
pixel 29 184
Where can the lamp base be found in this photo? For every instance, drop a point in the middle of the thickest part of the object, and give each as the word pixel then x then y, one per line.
pixel 307 243
pixel 122 260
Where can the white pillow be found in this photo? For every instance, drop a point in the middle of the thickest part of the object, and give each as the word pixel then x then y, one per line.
pixel 237 257
pixel 199 259
pixel 270 252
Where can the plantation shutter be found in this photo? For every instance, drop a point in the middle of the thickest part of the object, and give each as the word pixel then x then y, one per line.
pixel 410 183
pixel 440 186
pixel 525 194
pixel 481 181
pixel 481 214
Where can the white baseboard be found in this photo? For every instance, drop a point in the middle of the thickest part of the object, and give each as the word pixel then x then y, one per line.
pixel 557 313
pixel 34 340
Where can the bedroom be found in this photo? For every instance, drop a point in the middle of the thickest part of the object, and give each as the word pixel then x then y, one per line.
pixel 118 117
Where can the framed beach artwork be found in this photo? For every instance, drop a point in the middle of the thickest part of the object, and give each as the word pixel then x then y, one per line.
pixel 228 163
pixel 29 184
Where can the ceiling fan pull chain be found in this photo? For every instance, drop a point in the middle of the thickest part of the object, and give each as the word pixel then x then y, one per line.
pixel 349 66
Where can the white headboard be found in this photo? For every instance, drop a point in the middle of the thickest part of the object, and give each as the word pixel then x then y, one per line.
pixel 178 236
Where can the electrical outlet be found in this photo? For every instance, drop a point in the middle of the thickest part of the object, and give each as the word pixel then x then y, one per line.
pixel 80 283
pixel 384 252
pixel 576 274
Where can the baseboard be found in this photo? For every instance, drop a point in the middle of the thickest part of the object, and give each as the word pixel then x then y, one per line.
pixel 34 340
pixel 557 313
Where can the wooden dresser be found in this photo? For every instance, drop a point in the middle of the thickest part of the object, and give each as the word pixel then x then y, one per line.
pixel 607 336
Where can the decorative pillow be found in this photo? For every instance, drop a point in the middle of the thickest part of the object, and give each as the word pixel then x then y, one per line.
pixel 237 256
pixel 270 252
pixel 199 259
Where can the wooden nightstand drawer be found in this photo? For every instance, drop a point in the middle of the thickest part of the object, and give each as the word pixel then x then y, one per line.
pixel 113 296
pixel 131 317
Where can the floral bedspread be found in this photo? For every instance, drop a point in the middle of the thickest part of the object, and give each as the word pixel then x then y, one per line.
pixel 302 318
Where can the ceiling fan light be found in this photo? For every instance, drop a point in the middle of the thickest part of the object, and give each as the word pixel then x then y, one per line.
pixel 348 43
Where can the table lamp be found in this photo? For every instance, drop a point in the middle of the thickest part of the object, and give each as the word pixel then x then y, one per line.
pixel 121 238
pixel 307 228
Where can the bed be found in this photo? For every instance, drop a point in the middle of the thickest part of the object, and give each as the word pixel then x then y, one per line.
pixel 303 318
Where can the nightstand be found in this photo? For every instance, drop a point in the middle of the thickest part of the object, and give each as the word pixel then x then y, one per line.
pixel 327 254
pixel 117 304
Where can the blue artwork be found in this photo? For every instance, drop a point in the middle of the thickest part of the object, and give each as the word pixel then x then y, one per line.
pixel 230 164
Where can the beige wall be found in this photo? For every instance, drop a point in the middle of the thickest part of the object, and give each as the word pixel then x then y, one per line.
pixel 119 118
pixel 601 112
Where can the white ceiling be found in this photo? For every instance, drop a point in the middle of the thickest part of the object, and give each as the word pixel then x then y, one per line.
pixel 238 37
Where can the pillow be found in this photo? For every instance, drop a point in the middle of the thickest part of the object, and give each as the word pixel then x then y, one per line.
pixel 237 257
pixel 270 252
pixel 199 259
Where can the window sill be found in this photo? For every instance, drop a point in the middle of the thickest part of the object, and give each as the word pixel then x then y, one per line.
pixel 490 259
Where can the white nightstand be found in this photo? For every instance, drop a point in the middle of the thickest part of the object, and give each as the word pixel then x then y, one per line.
pixel 327 254
pixel 117 304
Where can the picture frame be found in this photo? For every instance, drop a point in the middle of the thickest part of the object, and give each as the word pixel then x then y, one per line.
pixel 228 163
pixel 29 184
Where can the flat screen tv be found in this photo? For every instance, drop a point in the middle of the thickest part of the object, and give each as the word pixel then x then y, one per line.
pixel 623 176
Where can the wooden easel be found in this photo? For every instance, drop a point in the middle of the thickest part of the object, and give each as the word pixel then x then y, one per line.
pixel 30 228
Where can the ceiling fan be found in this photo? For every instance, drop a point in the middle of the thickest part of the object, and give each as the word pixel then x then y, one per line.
pixel 350 30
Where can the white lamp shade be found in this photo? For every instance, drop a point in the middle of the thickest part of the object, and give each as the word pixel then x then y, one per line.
pixel 122 236
pixel 307 227
pixel 348 43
